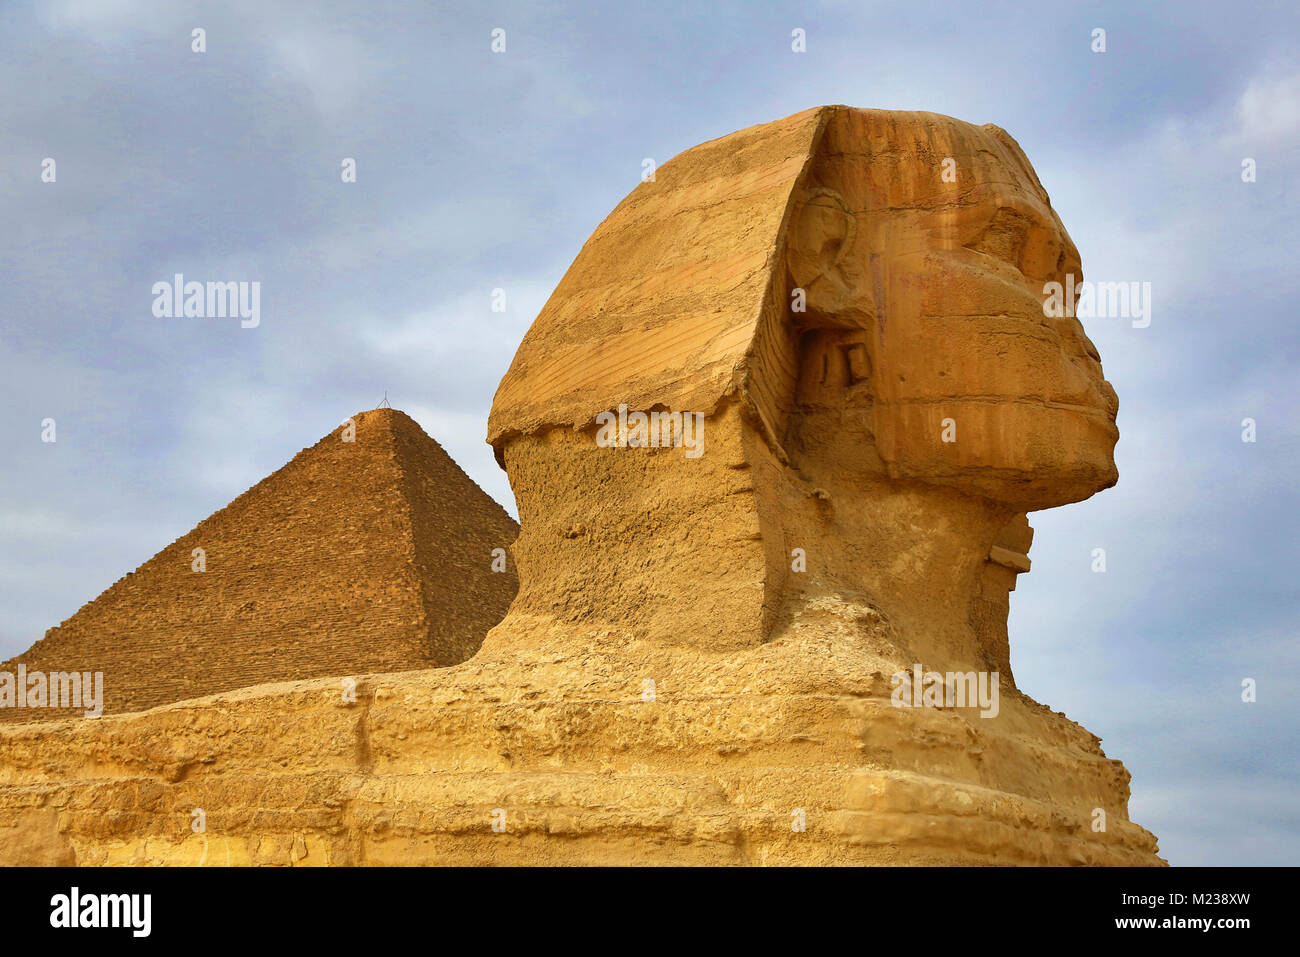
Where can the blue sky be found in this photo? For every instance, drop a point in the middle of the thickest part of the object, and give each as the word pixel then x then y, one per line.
pixel 479 171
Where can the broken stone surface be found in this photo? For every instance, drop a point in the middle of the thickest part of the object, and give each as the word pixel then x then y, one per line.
pixel 702 663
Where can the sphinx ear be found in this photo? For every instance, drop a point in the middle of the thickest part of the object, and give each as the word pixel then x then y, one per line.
pixel 826 265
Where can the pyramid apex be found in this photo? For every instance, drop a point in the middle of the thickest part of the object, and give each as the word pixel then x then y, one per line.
pixel 382 412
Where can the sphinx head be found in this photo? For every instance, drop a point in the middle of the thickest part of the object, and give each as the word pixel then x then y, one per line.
pixel 922 251
pixel 853 301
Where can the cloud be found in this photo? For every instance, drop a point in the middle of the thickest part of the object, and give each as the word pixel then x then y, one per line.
pixel 1268 113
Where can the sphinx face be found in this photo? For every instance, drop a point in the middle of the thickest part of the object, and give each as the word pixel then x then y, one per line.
pixel 925 320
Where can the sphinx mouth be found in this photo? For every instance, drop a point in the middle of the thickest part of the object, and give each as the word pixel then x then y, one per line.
pixel 1091 409
pixel 1080 407
pixel 1100 414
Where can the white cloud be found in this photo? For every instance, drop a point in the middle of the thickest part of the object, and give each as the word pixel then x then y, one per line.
pixel 1268 113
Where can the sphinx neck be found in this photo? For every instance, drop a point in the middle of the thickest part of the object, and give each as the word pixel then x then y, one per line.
pixel 919 554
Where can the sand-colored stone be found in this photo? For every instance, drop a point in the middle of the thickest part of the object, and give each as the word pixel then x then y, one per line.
pixel 670 686
pixel 372 554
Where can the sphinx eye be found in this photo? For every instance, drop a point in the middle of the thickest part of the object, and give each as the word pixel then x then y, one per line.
pixel 1005 236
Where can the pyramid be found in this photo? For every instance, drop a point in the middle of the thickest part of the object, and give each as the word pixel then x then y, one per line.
pixel 368 555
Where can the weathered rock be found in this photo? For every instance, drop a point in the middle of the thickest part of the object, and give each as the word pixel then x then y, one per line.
pixel 702 663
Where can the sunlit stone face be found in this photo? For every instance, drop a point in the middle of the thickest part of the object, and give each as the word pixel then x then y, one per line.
pixel 925 315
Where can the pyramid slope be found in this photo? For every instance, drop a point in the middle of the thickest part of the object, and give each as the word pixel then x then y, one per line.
pixel 355 557
pixel 456 527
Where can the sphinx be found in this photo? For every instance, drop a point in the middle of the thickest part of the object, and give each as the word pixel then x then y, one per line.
pixel 701 661
pixel 882 390
pixel 885 399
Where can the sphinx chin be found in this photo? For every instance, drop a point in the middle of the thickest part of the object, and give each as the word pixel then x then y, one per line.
pixel 1029 454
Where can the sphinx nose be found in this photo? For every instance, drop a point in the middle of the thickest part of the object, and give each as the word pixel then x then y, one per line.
pixel 1089 347
pixel 1077 340
pixel 1110 397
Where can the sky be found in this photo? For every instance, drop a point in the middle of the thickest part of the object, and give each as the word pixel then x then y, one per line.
pixel 478 171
